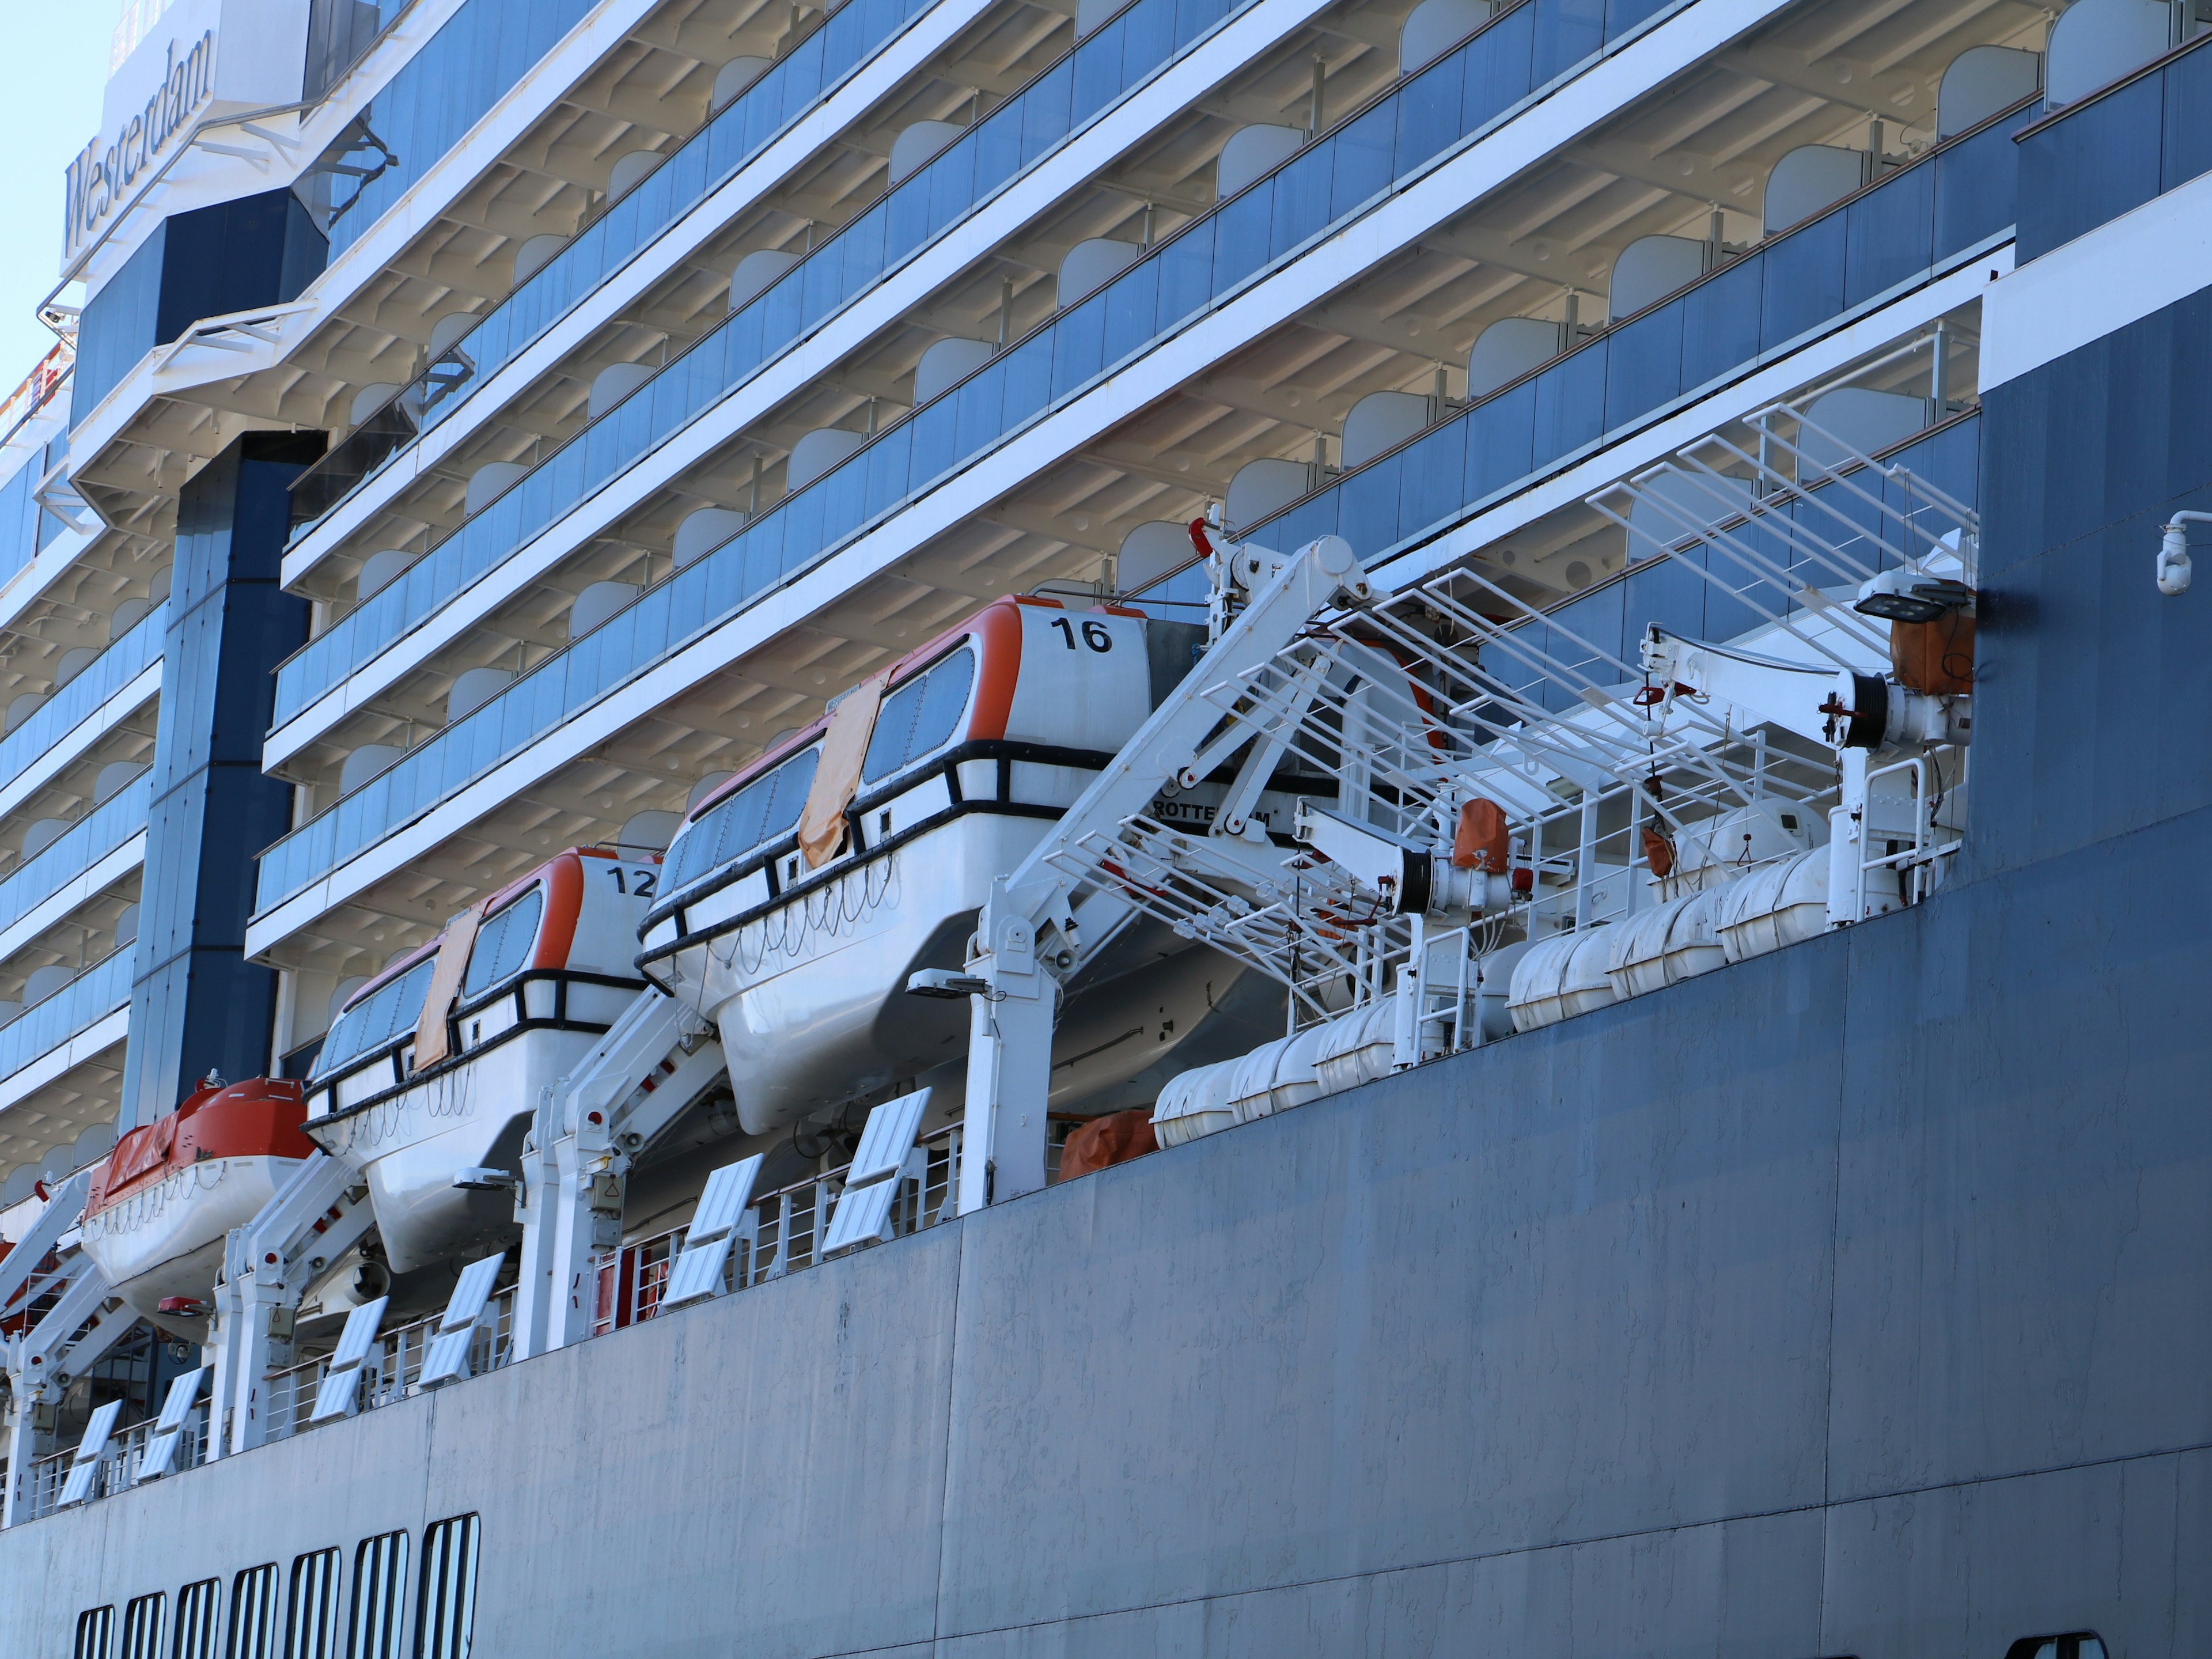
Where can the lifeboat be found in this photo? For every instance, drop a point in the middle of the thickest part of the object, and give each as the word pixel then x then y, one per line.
pixel 412 1094
pixel 803 893
pixel 163 1201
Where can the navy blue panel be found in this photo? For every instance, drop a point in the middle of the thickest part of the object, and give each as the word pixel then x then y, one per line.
pixel 1720 322
pixel 1889 235
pixel 2086 459
pixel 2094 165
pixel 1804 281
pixel 196 1004
pixel 119 324
pixel 1643 365
pixel 2188 139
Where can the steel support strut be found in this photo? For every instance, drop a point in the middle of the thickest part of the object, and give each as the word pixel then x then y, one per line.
pixel 1034 933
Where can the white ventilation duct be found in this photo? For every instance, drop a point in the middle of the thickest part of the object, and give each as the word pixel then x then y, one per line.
pixel 1093 264
pixel 44 982
pixel 703 531
pixel 365 762
pixel 1860 420
pixel 1263 489
pixel 733 79
pixel 614 383
pixel 380 570
pixel 649 830
pixel 1649 269
pixel 534 255
pixel 819 452
pixel 1251 153
pixel 1506 350
pixel 2096 42
pixel 630 172
pixel 596 603
pixel 946 364
pixel 916 145
pixel 488 482
pixel 1434 26
pixel 1980 82
pixel 115 777
pixel 756 273
pixel 449 329
pixel 1149 552
pixel 370 398
pixel 73 662
pixel 472 689
pixel 42 835
pixel 1809 177
pixel 1382 421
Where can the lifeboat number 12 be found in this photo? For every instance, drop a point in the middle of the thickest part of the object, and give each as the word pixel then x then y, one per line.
pixel 640 885
pixel 1094 634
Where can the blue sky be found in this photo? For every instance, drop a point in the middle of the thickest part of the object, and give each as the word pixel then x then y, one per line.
pixel 54 67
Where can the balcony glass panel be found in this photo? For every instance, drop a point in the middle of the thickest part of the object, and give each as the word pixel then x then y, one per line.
pixel 83 1002
pixel 950 186
pixel 788 538
pixel 2108 154
pixel 77 848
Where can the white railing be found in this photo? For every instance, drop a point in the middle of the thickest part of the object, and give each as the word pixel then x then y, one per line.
pixel 779 1235
pixel 291 1392
pixel 119 1464
pixel 1916 859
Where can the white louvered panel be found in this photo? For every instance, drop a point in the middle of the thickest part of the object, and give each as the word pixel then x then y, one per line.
pixel 888 1137
pixel 722 1206
pixel 863 1215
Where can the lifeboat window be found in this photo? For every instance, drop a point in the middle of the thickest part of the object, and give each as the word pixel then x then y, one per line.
pixel 918 718
pixel 761 811
pixel 503 943
pixel 371 1023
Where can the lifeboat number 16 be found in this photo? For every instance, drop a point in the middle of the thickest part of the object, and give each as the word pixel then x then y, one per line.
pixel 1094 634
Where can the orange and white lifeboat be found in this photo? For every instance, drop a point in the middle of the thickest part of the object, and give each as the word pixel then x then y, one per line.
pixel 802 893
pixel 167 1194
pixel 434 1065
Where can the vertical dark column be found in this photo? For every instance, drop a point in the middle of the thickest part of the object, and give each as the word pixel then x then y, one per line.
pixel 196 1003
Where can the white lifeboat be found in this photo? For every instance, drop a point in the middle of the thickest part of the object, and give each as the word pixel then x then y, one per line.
pixel 529 980
pixel 804 892
pixel 165 1199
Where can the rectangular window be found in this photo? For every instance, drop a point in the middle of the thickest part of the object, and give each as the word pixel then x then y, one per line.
pixel 310 1619
pixel 197 1606
pixel 95 1632
pixel 379 1599
pixel 142 1626
pixel 253 1613
pixel 445 1603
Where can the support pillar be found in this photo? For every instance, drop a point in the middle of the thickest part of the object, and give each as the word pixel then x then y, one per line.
pixel 196 1004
